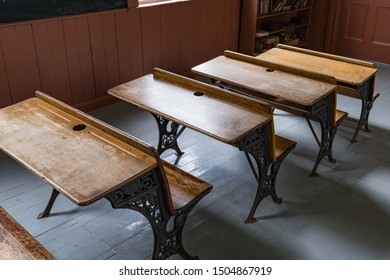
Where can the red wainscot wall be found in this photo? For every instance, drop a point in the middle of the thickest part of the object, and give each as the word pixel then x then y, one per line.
pixel 77 58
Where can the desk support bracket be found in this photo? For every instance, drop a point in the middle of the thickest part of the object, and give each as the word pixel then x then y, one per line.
pixel 168 134
pixel 255 144
pixel 144 196
pixel 321 112
pixel 367 103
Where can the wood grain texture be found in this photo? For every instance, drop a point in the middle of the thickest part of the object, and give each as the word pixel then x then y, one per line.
pixel 350 71
pixel 162 95
pixel 83 165
pixel 16 243
pixel 278 84
pixel 183 186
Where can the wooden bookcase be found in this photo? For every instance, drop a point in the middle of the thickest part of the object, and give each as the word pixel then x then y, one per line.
pixel 261 29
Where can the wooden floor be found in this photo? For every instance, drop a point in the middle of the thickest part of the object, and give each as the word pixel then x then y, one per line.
pixel 342 214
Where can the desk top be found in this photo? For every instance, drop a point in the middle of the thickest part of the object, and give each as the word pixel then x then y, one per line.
pixel 250 73
pixel 350 71
pixel 220 114
pixel 82 164
pixel 16 243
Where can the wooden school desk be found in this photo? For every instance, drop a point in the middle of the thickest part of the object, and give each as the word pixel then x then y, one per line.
pixel 16 243
pixel 86 160
pixel 312 96
pixel 355 78
pixel 177 102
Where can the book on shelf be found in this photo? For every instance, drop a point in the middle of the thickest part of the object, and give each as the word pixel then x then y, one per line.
pixel 271 39
pixel 300 4
pixel 280 5
pixel 264 7
pixel 261 33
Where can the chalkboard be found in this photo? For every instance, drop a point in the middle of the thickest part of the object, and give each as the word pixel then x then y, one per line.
pixel 18 10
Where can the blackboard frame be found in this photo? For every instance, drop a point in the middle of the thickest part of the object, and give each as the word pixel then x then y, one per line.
pixel 22 10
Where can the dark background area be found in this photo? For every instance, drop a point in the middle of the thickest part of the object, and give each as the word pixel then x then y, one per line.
pixel 18 10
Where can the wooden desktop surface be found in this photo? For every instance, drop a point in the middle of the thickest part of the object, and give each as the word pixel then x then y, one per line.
pixel 41 137
pixel 275 83
pixel 220 114
pixel 352 72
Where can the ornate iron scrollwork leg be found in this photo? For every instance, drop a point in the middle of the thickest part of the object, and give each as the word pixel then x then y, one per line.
pixel 364 91
pixel 255 144
pixel 145 196
pixel 321 112
pixel 168 134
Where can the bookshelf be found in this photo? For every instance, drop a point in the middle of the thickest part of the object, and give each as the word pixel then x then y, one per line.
pixel 265 23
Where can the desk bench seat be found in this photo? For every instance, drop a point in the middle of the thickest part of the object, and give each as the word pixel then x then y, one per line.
pixel 340 116
pixel 185 188
pixel 283 146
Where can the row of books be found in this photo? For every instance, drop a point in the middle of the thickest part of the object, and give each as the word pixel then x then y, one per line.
pixel 270 41
pixel 273 6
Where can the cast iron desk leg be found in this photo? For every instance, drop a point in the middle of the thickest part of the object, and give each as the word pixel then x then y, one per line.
pixel 145 196
pixel 168 134
pixel 321 111
pixel 255 144
pixel 367 103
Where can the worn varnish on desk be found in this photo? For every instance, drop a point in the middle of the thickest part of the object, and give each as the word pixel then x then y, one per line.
pixel 345 70
pixel 221 115
pixel 229 117
pixel 271 82
pixel 68 154
pixel 355 78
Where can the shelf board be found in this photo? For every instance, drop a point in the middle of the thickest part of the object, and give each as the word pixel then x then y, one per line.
pixel 292 11
pixel 282 30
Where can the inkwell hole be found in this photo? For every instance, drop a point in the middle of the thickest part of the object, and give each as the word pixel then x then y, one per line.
pixel 79 127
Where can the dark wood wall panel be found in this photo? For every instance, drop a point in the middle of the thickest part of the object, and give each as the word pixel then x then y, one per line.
pixel 20 61
pixel 78 58
pixel 171 54
pixel 151 37
pixel 380 35
pixel 4 87
pixel 52 59
pixel 211 25
pixel 355 28
pixel 104 52
pixel 232 23
pixel 360 29
pixel 192 33
pixel 128 28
